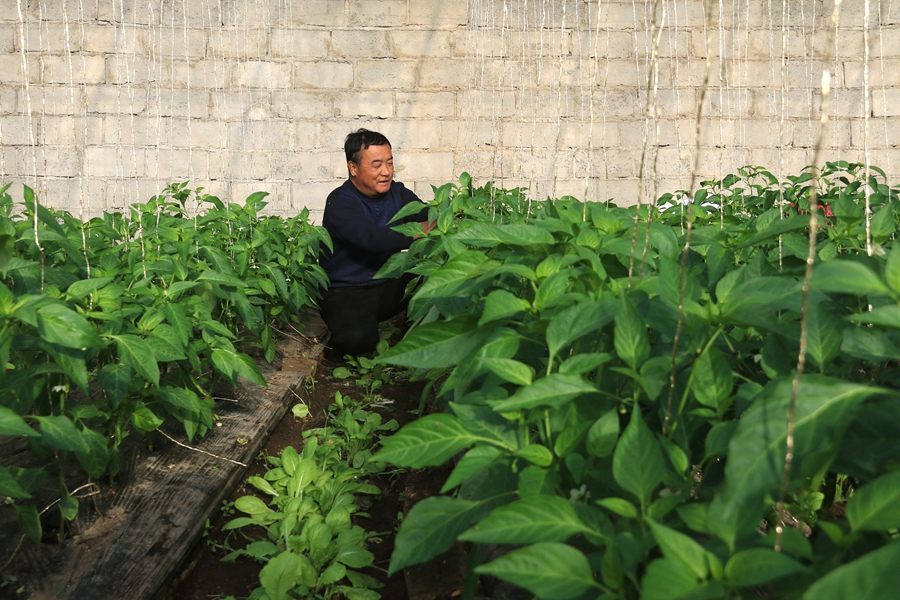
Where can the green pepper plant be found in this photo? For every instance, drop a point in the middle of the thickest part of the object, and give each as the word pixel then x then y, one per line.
pixel 621 397
pixel 313 548
pixel 114 324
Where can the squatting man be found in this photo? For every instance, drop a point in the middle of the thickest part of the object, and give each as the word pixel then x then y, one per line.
pixel 356 216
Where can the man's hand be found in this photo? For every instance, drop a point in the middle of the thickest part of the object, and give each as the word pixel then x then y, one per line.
pixel 426 227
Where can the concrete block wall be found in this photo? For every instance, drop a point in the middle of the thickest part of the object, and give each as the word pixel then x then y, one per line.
pixel 585 73
pixel 104 103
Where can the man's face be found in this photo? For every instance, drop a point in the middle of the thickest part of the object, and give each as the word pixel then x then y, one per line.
pixel 375 171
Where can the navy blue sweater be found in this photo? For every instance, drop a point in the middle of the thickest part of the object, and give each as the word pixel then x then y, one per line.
pixel 363 241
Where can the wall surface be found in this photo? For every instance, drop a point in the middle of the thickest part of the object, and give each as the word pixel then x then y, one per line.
pixel 105 102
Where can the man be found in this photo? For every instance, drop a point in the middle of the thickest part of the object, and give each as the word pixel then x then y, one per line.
pixel 356 216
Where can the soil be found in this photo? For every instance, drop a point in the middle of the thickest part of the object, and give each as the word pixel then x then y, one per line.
pixel 204 576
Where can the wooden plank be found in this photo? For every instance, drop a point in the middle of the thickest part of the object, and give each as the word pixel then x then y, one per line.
pixel 131 539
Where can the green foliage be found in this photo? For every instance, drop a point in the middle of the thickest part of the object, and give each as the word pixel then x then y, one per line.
pixel 621 397
pixel 124 320
pixel 312 547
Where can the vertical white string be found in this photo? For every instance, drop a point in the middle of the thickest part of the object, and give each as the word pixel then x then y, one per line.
pixel 562 102
pixel 674 83
pixel 884 102
pixel 523 93
pixel 866 110
pixel 82 183
pixel 26 86
pixel 461 150
pixel 780 124
pixel 723 66
pixel 119 59
pixel 67 43
pixel 46 76
pixel 593 68
pixel 605 104
pixel 190 117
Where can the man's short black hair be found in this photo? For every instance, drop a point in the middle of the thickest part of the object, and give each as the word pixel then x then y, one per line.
pixel 361 139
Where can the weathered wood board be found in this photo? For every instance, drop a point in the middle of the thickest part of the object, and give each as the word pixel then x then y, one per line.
pixel 129 540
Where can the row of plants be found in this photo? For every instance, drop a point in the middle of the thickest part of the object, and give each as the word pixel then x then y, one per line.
pixel 114 324
pixel 313 547
pixel 621 402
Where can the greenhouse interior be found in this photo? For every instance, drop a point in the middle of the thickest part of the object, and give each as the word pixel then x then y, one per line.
pixel 421 300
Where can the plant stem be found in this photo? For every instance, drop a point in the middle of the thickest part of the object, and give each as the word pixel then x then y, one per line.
pixel 474 559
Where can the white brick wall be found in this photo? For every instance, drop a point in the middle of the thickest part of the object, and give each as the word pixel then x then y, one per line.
pixel 242 96
pixel 330 75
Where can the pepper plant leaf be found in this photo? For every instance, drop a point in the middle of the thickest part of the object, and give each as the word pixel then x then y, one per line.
pixel 527 521
pixel 431 440
pixel 758 566
pixel 678 546
pixel 13 424
pixel 872 576
pixel 474 462
pixel 438 344
pixel 757 301
pixel 667 578
pixel 876 505
pixel 823 337
pixel 59 431
pixel 824 407
pixel 29 522
pixel 892 269
pixel 501 304
pixel 115 379
pixel 432 526
pixel 9 486
pixel 490 235
pixel 457 276
pixel 96 459
pixel 61 325
pixel 576 321
pixel 630 335
pixel 603 434
pixel 638 462
pixel 712 378
pixel 553 390
pixel 550 570
pixel 137 354
pixel 847 276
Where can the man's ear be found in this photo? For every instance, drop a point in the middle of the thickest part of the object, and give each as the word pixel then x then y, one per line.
pixel 353 168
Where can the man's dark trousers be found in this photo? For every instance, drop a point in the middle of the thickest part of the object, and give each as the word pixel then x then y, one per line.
pixel 352 313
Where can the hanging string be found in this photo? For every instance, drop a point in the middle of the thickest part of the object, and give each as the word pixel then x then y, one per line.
pixel 781 144
pixel 46 75
pixel 867 109
pixel 23 28
pixel 130 77
pixel 594 68
pixel 651 204
pixel 78 155
pixel 884 101
pixel 605 102
pixel 707 7
pixel 804 313
pixel 648 105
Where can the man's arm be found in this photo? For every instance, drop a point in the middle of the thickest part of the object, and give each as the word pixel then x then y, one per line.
pixel 347 222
